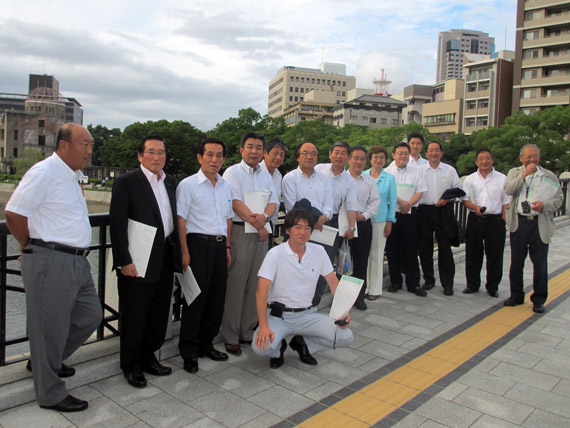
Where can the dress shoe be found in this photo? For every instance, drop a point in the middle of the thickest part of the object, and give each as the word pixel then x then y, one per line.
pixel 298 345
pixel 275 363
pixel 191 365
pixel 360 305
pixel 513 302
pixel 538 308
pixel 372 297
pixel 136 379
pixel 215 355
pixel 493 293
pixel 393 289
pixel 65 370
pixel 68 404
pixel 427 286
pixel 448 291
pixel 157 369
pixel 233 348
pixel 468 290
pixel 418 292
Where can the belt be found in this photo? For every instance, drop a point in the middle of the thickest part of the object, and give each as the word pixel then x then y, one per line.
pixel 293 309
pixel 528 217
pixel 84 252
pixel 239 223
pixel 217 238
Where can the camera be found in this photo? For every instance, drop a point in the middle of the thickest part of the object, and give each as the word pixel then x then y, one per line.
pixel 525 207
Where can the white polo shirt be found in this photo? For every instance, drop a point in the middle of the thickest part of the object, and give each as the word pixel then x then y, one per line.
pixel 487 191
pixel 293 282
pixel 316 189
pixel 51 198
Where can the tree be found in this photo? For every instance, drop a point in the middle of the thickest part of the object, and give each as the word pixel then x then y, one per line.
pixel 28 158
pixel 101 134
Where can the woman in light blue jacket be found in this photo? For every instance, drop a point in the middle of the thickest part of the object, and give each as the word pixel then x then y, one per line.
pixel 382 222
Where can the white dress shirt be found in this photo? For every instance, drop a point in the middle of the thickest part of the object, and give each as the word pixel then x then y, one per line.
pixel 243 178
pixel 368 199
pixel 205 207
pixel 51 198
pixel 316 189
pixel 408 177
pixel 412 162
pixel 277 181
pixel 438 180
pixel 161 196
pixel 530 191
pixel 344 191
pixel 487 191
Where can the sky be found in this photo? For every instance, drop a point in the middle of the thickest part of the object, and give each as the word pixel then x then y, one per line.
pixel 202 61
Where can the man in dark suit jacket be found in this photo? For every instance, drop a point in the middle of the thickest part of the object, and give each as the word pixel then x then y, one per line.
pixel 147 196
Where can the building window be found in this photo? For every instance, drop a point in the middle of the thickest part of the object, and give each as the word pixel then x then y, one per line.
pixel 528 93
pixel 296 78
pixel 334 82
pixel 290 97
pixel 290 88
pixel 300 98
pixel 383 121
pixel 296 99
pixel 302 90
pixel 343 83
pixel 296 89
pixel 364 118
pixel 530 54
pixel 41 140
pixel 302 80
pixel 395 122
pixel 15 152
pixel 41 123
pixel 15 135
pixel 338 93
pixel 318 81
pixel 291 79
pixel 440 118
pixel 328 82
pixel 530 74
pixel 353 117
pixel 313 80
pixel 531 35
pixel 372 120
pixel 344 93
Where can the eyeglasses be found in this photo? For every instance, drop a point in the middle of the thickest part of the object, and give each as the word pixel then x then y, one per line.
pixel 402 153
pixel 151 153
pixel 306 154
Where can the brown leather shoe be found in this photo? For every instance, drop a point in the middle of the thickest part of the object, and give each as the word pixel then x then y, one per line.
pixel 233 348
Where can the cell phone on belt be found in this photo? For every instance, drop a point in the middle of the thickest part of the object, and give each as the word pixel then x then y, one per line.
pixel 341 322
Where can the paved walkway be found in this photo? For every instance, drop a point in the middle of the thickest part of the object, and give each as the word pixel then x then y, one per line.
pixel 459 361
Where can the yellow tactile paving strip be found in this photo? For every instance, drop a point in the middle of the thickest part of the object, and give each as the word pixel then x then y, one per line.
pixel 379 399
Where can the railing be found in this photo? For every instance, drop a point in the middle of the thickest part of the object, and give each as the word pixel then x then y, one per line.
pixel 106 328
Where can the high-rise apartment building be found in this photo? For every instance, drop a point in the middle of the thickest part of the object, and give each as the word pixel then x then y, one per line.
pixel 542 55
pixel 451 46
pixel 292 83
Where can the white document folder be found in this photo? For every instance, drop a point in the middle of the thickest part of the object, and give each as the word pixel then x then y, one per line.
pixel 141 238
pixel 326 236
pixel 256 201
pixel 345 296
pixel 343 222
pixel 190 288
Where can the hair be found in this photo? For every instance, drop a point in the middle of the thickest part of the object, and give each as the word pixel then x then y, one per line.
pixel 529 146
pixel 211 140
pixel 341 144
pixel 150 137
pixel 402 144
pixel 435 142
pixel 298 148
pixel 377 149
pixel 361 148
pixel 416 135
pixel 478 152
pixel 254 135
pixel 64 133
pixel 276 142
pixel 296 214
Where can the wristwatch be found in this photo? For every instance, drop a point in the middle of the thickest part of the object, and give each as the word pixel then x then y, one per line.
pixel 352 228
pixel 267 219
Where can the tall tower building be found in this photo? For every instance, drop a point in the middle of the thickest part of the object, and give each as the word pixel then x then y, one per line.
pixel 542 55
pixel 451 46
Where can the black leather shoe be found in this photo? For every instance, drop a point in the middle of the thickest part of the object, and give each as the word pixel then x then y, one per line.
pixel 469 291
pixel 538 308
pixel 418 292
pixel 513 302
pixel 136 379
pixel 448 292
pixel 191 365
pixel 427 286
pixel 65 370
pixel 300 347
pixel 493 293
pixel 360 305
pixel 275 363
pixel 68 404
pixel 393 289
pixel 157 369
pixel 215 355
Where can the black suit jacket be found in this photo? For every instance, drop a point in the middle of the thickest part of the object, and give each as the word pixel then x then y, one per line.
pixel 134 199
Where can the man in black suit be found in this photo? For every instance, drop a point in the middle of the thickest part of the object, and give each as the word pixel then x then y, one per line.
pixel 147 196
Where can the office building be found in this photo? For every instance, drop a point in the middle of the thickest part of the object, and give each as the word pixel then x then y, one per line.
pixel 542 55
pixel 291 85
pixel 453 44
pixel 370 111
pixel 443 117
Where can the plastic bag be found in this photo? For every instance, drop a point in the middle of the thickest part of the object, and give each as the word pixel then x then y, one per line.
pixel 344 264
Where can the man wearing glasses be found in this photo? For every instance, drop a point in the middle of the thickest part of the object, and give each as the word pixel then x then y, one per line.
pixel 146 196
pixel 402 244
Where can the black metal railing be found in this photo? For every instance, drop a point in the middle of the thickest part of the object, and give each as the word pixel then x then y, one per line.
pixel 111 314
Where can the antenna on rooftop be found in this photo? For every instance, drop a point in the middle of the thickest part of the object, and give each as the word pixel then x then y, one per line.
pixel 381 86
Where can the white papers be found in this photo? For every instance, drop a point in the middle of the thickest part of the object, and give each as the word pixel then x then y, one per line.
pixel 546 191
pixel 405 192
pixel 345 296
pixel 141 239
pixel 326 236
pixel 343 225
pixel 256 201
pixel 190 288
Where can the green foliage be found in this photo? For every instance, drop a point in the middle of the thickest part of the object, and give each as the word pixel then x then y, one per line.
pixel 101 135
pixel 28 158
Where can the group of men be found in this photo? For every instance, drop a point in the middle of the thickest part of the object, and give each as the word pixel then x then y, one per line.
pixel 254 294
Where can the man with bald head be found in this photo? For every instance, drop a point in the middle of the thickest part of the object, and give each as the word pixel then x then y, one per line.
pixel 47 214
